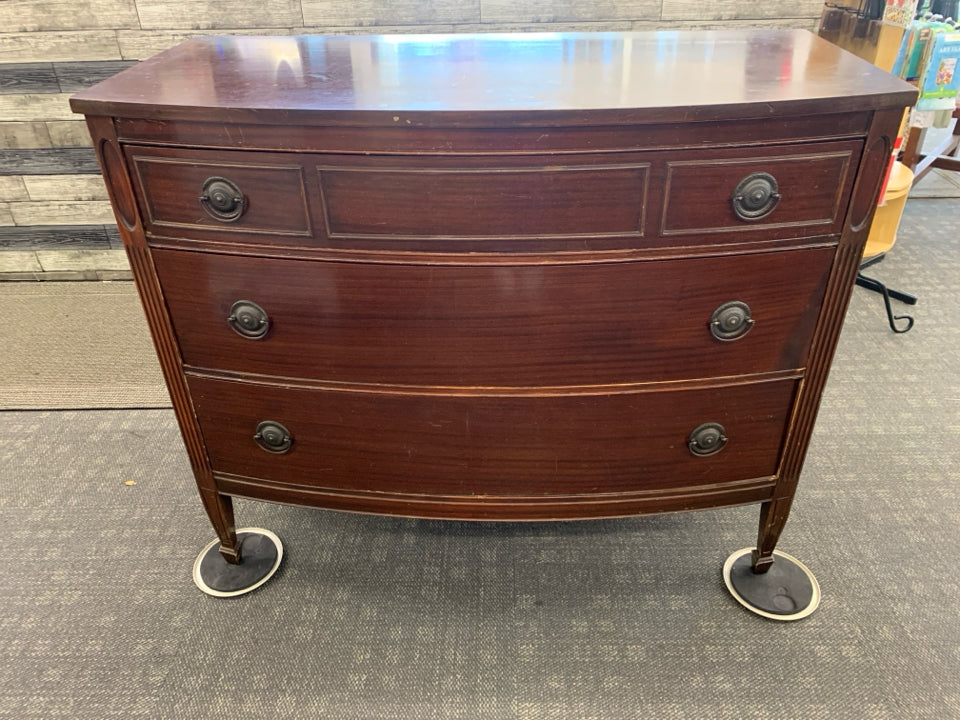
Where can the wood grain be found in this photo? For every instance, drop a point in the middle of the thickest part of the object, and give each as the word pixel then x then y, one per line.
pixel 23 135
pixel 17 47
pixel 28 78
pixel 12 188
pixel 207 14
pixel 6 215
pixel 47 161
pixel 64 187
pixel 75 76
pixel 46 237
pixel 30 15
pixel 61 213
pixel 388 12
pixel 68 133
pixel 492 444
pixel 41 106
pixel 739 9
pixel 505 11
pixel 509 326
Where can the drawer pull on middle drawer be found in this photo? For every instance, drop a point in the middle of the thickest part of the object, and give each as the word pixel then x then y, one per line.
pixel 707 439
pixel 731 321
pixel 273 437
pixel 248 320
pixel 756 196
pixel 222 199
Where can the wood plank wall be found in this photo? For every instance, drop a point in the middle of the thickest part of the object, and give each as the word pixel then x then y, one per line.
pixel 50 193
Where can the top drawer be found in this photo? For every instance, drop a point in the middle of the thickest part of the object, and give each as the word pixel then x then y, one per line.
pixel 499 203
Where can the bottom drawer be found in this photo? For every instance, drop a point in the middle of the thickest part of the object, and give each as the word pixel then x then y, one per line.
pixel 504 445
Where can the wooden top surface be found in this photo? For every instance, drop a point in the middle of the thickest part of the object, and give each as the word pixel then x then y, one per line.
pixel 478 80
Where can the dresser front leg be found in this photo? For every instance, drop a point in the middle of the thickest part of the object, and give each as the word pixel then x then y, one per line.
pixel 220 511
pixel 238 561
pixel 767 581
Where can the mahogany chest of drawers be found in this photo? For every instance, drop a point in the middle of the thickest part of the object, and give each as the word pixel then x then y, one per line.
pixel 518 277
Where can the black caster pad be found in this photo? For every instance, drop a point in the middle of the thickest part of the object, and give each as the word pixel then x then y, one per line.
pixel 261 552
pixel 787 591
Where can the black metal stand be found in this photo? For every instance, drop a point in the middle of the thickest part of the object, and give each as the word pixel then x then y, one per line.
pixel 878 287
pixel 787 591
pixel 260 551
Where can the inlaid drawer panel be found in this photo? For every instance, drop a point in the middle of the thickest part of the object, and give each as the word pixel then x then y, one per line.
pixel 510 325
pixel 518 444
pixel 797 188
pixel 221 193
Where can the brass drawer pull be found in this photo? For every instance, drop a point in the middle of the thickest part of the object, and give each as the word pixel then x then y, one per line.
pixel 707 439
pixel 273 437
pixel 756 196
pixel 222 199
pixel 731 321
pixel 248 320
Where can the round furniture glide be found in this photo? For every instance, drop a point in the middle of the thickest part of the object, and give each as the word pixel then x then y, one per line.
pixel 222 199
pixel 756 196
pixel 731 321
pixel 787 591
pixel 260 551
pixel 248 320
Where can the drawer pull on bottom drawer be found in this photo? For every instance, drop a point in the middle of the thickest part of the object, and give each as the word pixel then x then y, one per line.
pixel 248 320
pixel 731 321
pixel 273 437
pixel 707 439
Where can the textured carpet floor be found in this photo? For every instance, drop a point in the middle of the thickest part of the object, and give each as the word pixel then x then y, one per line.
pixel 76 345
pixel 373 618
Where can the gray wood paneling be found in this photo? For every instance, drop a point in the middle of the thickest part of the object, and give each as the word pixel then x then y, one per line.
pixel 739 9
pixel 503 11
pixel 141 44
pixel 64 260
pixel 211 14
pixel 362 13
pixel 61 213
pixel 79 75
pixel 36 107
pixel 57 46
pixel 47 237
pixel 68 133
pixel 611 26
pixel 48 161
pixel 12 188
pixel 64 187
pixel 22 261
pixel 20 78
pixel 23 135
pixel 6 216
pixel 34 15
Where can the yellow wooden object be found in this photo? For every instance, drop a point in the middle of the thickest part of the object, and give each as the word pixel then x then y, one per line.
pixel 883 232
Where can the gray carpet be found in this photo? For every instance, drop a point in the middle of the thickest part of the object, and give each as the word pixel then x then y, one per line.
pixel 375 618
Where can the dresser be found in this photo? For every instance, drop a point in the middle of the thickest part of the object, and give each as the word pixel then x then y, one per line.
pixel 497 277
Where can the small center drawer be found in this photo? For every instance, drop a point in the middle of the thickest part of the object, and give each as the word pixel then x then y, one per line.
pixel 514 325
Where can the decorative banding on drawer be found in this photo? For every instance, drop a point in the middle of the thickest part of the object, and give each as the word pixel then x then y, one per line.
pixel 495 325
pixel 802 187
pixel 470 444
pixel 542 201
pixel 239 195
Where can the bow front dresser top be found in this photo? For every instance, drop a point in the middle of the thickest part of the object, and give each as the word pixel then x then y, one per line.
pixel 498 277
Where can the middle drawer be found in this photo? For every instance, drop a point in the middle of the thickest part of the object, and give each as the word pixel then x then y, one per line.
pixel 483 325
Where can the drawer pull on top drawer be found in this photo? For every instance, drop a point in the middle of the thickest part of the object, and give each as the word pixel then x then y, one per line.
pixel 222 199
pixel 273 437
pixel 707 439
pixel 248 320
pixel 731 321
pixel 756 196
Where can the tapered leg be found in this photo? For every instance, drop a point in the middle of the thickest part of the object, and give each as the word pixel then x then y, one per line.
pixel 773 516
pixel 220 511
